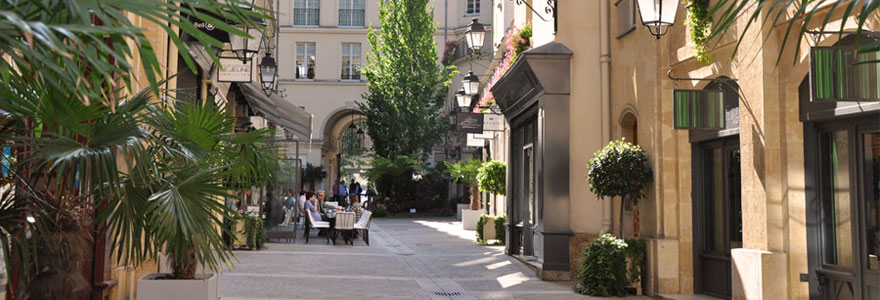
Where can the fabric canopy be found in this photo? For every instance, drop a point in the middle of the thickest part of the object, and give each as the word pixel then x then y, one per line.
pixel 274 108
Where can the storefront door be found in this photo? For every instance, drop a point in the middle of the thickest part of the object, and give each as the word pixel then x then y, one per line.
pixel 844 216
pixel 717 214
pixel 525 177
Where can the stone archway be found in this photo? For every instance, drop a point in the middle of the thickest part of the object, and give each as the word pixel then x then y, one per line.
pixel 332 150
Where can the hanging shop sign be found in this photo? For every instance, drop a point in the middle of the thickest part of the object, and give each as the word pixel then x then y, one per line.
pixel 207 27
pixel 698 109
pixel 486 135
pixel 493 122
pixel 469 123
pixel 474 142
pixel 234 70
pixel 840 73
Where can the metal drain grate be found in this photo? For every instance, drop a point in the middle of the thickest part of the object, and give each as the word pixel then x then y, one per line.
pixel 447 294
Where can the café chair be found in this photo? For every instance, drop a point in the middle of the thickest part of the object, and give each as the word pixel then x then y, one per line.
pixel 364 226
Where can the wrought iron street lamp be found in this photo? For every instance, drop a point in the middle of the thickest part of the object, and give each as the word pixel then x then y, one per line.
pixel 475 35
pixel 658 15
pixel 244 47
pixel 268 73
pixel 471 84
pixel 463 99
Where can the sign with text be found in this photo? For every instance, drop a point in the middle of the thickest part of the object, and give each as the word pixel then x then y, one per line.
pixel 469 123
pixel 493 122
pixel 234 70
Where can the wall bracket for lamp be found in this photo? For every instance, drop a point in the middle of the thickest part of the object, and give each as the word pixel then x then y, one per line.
pixel 550 9
pixel 677 79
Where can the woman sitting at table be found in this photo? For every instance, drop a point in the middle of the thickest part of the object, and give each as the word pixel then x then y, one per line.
pixel 356 207
pixel 311 205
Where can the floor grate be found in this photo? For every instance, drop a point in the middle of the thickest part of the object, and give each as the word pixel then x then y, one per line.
pixel 447 294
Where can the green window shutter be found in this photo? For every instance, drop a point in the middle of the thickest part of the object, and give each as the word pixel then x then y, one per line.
pixel 698 109
pixel 839 73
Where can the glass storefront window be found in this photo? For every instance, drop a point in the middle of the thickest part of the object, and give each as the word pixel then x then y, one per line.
pixel 872 198
pixel 837 207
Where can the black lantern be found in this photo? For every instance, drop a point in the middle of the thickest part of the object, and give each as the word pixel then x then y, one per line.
pixel 463 99
pixel 268 73
pixel 471 84
pixel 244 47
pixel 658 15
pixel 475 35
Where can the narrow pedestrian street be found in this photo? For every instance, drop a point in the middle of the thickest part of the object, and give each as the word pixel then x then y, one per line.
pixel 407 259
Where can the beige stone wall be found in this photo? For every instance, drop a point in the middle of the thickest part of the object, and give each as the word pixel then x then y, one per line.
pixel 771 141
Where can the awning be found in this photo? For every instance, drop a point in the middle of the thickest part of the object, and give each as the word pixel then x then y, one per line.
pixel 279 111
pixel 274 108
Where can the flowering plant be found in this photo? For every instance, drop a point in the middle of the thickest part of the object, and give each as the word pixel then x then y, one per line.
pixel 516 41
pixel 448 52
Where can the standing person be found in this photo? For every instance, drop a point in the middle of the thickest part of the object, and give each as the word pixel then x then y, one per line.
pixel 343 191
pixel 371 192
pixel 352 189
pixel 335 191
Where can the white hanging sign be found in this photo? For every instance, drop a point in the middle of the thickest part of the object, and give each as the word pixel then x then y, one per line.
pixel 486 135
pixel 234 70
pixel 493 122
pixel 474 142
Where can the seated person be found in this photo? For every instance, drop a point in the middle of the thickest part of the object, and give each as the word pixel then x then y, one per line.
pixel 311 206
pixel 356 207
pixel 323 205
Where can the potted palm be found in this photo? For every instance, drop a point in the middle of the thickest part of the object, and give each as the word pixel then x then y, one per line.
pixel 466 172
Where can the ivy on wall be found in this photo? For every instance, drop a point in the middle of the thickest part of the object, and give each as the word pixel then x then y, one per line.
pixel 699 18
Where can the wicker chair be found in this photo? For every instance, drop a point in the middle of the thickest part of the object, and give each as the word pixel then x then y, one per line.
pixel 364 225
pixel 345 226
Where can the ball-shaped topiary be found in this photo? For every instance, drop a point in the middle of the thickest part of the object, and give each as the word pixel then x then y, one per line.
pixel 492 177
pixel 603 268
pixel 619 169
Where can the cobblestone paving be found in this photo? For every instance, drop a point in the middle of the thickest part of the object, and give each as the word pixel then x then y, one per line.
pixel 406 259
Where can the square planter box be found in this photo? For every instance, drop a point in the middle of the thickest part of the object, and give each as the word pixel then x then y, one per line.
pixel 489 230
pixel 459 208
pixel 469 219
pixel 150 288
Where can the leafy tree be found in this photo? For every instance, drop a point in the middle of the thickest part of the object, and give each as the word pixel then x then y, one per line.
pixel 393 176
pixel 312 174
pixel 466 172
pixel 767 13
pixel 407 85
pixel 620 169
pixel 492 177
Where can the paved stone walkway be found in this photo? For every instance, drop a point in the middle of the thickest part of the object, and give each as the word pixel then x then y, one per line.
pixel 406 259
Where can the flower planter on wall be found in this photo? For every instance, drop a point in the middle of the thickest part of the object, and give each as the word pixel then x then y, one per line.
pixel 151 288
pixel 469 218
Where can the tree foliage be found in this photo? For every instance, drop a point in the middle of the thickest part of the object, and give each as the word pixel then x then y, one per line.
pixel 407 85
pixel 393 176
pixel 492 177
pixel 312 174
pixel 793 15
pixel 619 169
pixel 466 172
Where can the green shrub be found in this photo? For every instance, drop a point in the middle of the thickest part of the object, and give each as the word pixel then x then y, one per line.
pixel 602 271
pixel 635 253
pixel 491 177
pixel 500 230
pixel 255 232
pixel 619 169
pixel 380 211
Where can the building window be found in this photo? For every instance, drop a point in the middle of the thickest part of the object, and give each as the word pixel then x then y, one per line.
pixel 626 17
pixel 473 7
pixel 351 61
pixel 351 13
pixel 306 12
pixel 305 60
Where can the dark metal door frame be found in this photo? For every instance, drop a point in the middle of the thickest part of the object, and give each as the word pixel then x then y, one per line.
pixel 701 195
pixel 516 239
pixel 827 279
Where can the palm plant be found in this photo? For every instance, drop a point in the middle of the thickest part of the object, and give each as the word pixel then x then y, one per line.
pixel 392 174
pixel 466 172
pixel 312 174
pixel 178 162
pixel 794 14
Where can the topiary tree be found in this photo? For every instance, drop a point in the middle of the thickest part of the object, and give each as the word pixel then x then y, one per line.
pixel 620 169
pixel 492 177
pixel 466 172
